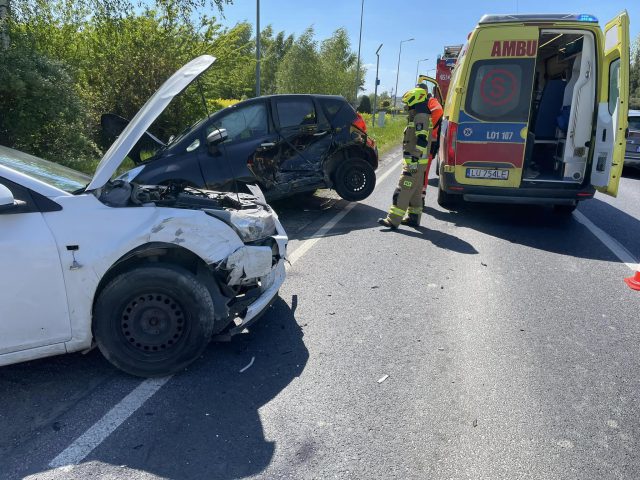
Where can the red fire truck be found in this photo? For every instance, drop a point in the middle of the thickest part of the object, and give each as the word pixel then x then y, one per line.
pixel 444 67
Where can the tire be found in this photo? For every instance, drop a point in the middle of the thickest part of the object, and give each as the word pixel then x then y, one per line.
pixel 355 180
pixel 153 321
pixel 447 200
pixel 564 209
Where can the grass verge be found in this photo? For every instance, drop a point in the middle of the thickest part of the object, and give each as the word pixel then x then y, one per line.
pixel 388 136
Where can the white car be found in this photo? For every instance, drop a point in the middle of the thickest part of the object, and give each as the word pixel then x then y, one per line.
pixel 148 273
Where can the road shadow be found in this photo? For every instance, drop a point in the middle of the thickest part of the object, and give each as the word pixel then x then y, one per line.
pixel 631 172
pixel 205 423
pixel 533 226
pixel 439 239
pixel 302 216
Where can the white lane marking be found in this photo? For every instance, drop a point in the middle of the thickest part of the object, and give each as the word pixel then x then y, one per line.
pixel 89 440
pixel 324 229
pixel 618 250
pixel 104 427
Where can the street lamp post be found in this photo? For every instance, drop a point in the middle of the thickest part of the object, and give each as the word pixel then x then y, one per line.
pixel 395 95
pixel 359 44
pixel 418 66
pixel 375 91
pixel 257 48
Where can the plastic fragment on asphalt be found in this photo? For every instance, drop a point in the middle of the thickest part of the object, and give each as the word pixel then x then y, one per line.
pixel 475 423
pixel 483 264
pixel 248 366
pixel 383 378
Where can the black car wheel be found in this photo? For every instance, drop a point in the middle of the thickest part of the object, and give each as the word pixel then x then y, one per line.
pixel 355 180
pixel 154 320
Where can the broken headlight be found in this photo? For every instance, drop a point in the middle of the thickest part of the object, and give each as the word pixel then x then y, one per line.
pixel 250 225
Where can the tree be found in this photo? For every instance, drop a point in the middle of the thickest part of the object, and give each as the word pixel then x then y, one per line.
pixel 327 68
pixel 365 104
pixel 300 70
pixel 273 49
pixel 41 111
pixel 634 76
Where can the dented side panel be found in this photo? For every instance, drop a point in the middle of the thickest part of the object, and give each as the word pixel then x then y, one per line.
pixel 112 233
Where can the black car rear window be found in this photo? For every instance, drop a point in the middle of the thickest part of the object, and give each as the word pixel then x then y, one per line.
pixel 295 112
pixel 500 90
pixel 338 111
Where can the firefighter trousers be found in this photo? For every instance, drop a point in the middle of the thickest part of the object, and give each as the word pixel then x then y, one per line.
pixel 407 198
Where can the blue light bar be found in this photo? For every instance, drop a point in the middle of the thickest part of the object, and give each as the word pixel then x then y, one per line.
pixel 539 17
pixel 587 18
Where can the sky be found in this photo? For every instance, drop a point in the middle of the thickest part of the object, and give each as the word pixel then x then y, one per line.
pixel 433 24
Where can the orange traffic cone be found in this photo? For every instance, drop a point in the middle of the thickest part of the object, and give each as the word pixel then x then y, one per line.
pixel 634 282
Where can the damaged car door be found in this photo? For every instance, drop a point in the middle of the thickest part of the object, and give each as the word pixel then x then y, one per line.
pixel 303 142
pixel 248 130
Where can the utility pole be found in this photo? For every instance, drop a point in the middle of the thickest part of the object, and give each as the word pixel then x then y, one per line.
pixel 257 48
pixel 398 70
pixel 355 101
pixel 418 66
pixel 4 24
pixel 375 92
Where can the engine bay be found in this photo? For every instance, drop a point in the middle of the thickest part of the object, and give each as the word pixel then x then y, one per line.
pixel 120 193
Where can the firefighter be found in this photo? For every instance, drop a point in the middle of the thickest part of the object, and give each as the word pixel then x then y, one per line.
pixel 407 198
pixel 435 110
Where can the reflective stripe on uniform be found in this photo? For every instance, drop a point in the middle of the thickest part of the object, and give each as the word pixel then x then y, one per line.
pixel 398 212
pixel 414 210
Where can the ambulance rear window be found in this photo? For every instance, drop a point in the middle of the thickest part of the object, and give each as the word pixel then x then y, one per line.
pixel 500 90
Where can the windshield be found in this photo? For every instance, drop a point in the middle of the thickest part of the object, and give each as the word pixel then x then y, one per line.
pixel 57 175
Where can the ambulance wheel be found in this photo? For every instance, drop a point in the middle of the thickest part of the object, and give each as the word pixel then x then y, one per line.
pixel 446 200
pixel 564 209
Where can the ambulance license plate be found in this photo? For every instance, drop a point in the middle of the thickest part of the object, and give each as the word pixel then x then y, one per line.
pixel 486 173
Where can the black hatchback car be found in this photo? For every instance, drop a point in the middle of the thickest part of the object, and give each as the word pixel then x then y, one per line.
pixel 286 143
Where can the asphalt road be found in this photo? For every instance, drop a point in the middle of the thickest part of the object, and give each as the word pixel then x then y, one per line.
pixel 492 343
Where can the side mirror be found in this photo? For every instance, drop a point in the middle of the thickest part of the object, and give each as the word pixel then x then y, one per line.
pixel 217 136
pixel 7 202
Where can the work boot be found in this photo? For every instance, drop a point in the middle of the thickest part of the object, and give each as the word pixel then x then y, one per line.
pixel 386 223
pixel 411 221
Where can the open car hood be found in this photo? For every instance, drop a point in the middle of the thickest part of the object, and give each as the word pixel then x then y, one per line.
pixel 112 127
pixel 145 117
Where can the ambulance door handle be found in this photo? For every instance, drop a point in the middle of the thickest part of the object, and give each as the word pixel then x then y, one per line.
pixel 604 135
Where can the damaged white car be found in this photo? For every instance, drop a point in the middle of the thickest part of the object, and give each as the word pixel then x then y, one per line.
pixel 150 273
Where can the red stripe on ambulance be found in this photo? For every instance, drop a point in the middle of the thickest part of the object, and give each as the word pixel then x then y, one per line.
pixel 514 48
pixel 511 153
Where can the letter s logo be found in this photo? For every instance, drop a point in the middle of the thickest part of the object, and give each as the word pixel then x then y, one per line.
pixel 497 87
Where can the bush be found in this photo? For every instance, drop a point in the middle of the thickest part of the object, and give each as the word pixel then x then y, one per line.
pixel 365 104
pixel 42 112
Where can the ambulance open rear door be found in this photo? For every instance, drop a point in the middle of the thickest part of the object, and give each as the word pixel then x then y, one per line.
pixel 613 107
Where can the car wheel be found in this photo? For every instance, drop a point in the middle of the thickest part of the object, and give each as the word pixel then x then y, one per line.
pixel 447 200
pixel 355 180
pixel 564 209
pixel 153 321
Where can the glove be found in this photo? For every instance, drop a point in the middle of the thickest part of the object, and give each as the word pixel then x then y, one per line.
pixel 412 167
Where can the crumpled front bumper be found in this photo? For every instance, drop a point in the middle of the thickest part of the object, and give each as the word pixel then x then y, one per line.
pixel 270 279
pixel 269 286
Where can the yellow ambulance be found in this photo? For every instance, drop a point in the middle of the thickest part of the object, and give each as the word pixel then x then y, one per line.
pixel 536 111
